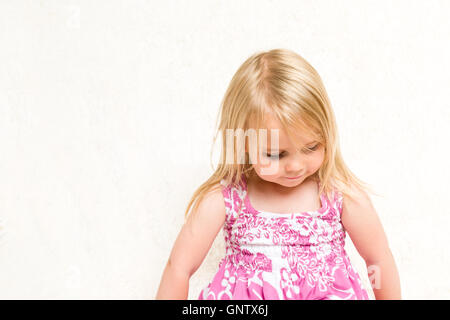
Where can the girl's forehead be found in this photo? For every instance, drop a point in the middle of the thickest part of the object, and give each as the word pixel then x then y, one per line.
pixel 285 141
pixel 297 136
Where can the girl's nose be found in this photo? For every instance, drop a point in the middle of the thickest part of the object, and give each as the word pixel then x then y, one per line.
pixel 295 165
pixel 294 168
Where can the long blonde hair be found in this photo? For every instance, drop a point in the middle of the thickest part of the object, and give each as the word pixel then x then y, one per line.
pixel 282 82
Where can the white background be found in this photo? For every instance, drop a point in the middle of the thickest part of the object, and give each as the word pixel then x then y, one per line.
pixel 107 111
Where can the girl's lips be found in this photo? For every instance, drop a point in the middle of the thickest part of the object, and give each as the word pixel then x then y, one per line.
pixel 295 177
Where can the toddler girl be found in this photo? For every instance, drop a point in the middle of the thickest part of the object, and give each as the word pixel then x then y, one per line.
pixel 286 205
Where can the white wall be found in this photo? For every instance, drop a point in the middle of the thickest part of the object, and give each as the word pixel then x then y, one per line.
pixel 98 100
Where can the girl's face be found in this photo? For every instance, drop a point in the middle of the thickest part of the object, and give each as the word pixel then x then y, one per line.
pixel 294 164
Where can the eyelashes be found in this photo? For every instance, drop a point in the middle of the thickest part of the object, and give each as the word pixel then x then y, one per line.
pixel 281 155
pixel 314 148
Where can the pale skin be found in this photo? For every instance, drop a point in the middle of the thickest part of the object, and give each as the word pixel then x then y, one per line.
pixel 359 217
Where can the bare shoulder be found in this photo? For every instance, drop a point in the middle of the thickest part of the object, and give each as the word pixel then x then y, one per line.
pixel 198 232
pixel 211 209
pixel 360 197
pixel 214 199
pixel 359 205
pixel 362 223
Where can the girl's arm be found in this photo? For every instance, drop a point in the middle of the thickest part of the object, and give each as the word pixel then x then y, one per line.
pixel 362 224
pixel 191 246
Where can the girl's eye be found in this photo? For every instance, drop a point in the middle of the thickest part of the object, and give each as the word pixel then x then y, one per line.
pixel 308 150
pixel 275 156
pixel 313 148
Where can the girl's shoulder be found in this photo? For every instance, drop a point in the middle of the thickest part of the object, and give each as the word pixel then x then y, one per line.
pixel 211 207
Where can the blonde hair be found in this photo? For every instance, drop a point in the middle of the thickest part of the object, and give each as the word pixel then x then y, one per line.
pixel 284 84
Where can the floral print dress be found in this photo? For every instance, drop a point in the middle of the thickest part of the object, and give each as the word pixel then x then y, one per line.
pixel 273 256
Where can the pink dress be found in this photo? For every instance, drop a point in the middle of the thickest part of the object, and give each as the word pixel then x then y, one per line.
pixel 280 256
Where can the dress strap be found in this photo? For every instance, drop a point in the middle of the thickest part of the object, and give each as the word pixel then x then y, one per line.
pixel 337 202
pixel 233 197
